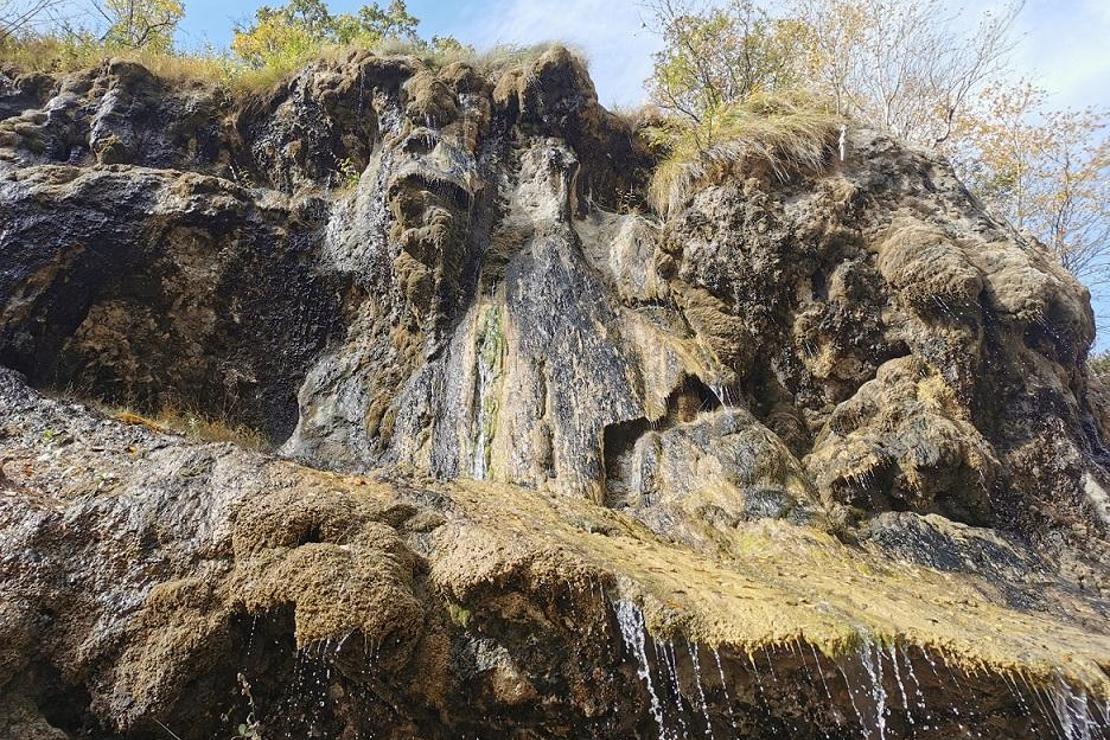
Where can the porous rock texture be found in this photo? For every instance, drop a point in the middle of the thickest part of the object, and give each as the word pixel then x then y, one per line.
pixel 813 454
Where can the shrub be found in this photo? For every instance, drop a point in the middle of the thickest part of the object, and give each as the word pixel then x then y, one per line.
pixel 61 53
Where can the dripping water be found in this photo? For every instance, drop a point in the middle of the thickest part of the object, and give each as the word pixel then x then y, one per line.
pixel 724 688
pixel 1073 710
pixel 852 699
pixel 696 662
pixel 820 671
pixel 875 674
pixel 633 631
pixel 901 686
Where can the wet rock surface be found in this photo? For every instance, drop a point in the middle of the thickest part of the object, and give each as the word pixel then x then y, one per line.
pixel 813 456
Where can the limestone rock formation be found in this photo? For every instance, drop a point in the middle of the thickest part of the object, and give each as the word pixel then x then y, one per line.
pixel 813 454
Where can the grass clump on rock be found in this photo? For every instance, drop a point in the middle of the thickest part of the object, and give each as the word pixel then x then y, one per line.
pixel 759 136
pixel 194 426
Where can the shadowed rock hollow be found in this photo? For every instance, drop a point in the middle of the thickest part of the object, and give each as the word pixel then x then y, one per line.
pixel 815 454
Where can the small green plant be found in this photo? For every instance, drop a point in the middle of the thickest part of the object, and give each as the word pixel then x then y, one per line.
pixel 349 174
pixel 459 614
pixel 247 730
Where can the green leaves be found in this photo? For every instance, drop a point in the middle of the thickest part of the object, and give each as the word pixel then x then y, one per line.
pixel 287 36
pixel 720 57
pixel 141 24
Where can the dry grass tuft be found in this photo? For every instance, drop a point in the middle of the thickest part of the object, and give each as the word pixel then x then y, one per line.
pixel 60 54
pixel 495 59
pixel 193 426
pixel 780 136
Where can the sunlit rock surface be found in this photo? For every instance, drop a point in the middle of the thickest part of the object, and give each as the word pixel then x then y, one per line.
pixel 814 456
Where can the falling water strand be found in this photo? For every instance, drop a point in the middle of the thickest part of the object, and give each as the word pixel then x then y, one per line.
pixel 770 664
pixel 1016 692
pixel 724 688
pixel 677 687
pixel 696 663
pixel 932 663
pixel 1101 714
pixel 1046 714
pixel 297 669
pixel 878 693
pixel 916 685
pixel 758 680
pixel 855 707
pixel 631 621
pixel 342 641
pixel 805 664
pixel 820 671
pixel 1049 709
pixel 1073 712
pixel 250 638
pixel 898 680
pixel 670 676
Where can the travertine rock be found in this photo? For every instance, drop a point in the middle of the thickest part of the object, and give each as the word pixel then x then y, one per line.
pixel 843 409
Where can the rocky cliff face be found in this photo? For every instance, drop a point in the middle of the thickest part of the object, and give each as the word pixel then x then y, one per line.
pixel 814 454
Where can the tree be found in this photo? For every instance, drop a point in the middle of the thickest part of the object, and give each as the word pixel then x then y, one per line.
pixel 902 66
pixel 301 27
pixel 17 16
pixel 141 24
pixel 1045 171
pixel 394 22
pixel 274 37
pixel 718 56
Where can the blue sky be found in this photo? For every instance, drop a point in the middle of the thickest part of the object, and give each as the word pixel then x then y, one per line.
pixel 1063 44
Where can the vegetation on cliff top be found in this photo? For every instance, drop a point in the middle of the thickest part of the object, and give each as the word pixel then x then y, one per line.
pixel 740 87
pixel 903 68
pixel 781 134
pixel 276 43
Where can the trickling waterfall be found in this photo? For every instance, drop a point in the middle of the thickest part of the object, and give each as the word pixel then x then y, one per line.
pixel 881 685
pixel 724 688
pixel 878 692
pixel 670 669
pixel 490 353
pixel 634 632
pixel 702 704
pixel 1076 713
pixel 901 686
pixel 820 672
pixel 852 698
pixel 727 395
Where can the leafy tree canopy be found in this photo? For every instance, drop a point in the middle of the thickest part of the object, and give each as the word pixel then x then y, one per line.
pixel 302 26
